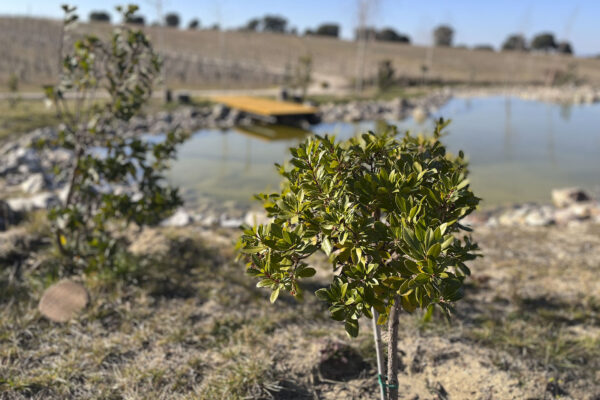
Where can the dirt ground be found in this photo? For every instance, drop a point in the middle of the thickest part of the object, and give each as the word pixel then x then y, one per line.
pixel 189 324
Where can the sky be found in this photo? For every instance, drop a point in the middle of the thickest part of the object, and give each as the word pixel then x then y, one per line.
pixel 474 21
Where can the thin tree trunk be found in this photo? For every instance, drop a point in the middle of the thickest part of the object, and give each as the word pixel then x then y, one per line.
pixel 392 373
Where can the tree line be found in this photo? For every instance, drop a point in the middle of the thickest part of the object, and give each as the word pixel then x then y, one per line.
pixel 443 35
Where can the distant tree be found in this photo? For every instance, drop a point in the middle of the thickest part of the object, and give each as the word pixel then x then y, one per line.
pixel 483 47
pixel 303 74
pixel 366 32
pixel 274 23
pixel 99 16
pixel 13 88
pixel 443 35
pixel 543 41
pixel 515 42
pixel 194 24
pixel 385 74
pixel 135 20
pixel 215 27
pixel 293 31
pixel 172 20
pixel 252 25
pixel 328 29
pixel 308 32
pixel 564 48
pixel 390 35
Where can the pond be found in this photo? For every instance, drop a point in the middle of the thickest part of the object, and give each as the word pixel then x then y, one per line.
pixel 519 151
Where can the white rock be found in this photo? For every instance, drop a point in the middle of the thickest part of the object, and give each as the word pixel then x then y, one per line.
pixel 256 217
pixel 39 201
pixel 34 184
pixel 568 196
pixel 178 219
pixel 231 222
pixel 419 114
pixel 538 218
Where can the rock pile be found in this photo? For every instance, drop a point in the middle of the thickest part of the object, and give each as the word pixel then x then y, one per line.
pixel 393 110
pixel 562 94
pixel 571 206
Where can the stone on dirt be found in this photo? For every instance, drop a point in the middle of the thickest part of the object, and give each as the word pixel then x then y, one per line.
pixel 63 301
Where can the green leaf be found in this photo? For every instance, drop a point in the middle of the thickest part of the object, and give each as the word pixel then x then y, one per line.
pixel 462 184
pixel 326 246
pixel 265 283
pixel 412 266
pixel 351 327
pixel 428 313
pixel 323 294
pixel 407 304
pixel 274 295
pixel 253 249
pixel 434 250
pixel 307 272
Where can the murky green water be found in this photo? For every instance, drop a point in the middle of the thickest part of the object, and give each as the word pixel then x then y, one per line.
pixel 519 150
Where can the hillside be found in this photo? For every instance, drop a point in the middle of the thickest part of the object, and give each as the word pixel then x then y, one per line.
pixel 205 58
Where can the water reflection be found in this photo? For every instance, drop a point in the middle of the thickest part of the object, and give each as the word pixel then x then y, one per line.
pixel 272 132
pixel 519 150
pixel 507 129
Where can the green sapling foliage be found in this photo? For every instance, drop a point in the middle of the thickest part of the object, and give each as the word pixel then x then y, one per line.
pixel 89 223
pixel 386 212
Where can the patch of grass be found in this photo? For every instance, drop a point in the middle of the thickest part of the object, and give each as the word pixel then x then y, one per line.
pixel 25 116
pixel 28 115
pixel 188 324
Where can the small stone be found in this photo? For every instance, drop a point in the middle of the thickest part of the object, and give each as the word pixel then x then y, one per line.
pixel 538 218
pixel 419 114
pixel 568 196
pixel 63 300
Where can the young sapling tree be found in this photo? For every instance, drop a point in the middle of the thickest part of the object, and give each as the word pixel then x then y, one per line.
pixel 116 179
pixel 386 212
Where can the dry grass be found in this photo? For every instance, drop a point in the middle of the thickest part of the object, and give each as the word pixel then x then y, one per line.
pixel 189 324
pixel 205 58
pixel 26 115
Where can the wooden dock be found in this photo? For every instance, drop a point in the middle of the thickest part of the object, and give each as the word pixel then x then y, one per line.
pixel 272 111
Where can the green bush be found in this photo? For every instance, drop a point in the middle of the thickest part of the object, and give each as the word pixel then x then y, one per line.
pixel 90 222
pixel 387 214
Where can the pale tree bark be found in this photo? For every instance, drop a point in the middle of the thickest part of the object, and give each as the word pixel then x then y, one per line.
pixel 392 352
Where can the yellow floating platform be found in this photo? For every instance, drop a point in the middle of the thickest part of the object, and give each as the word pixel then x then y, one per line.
pixel 265 107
